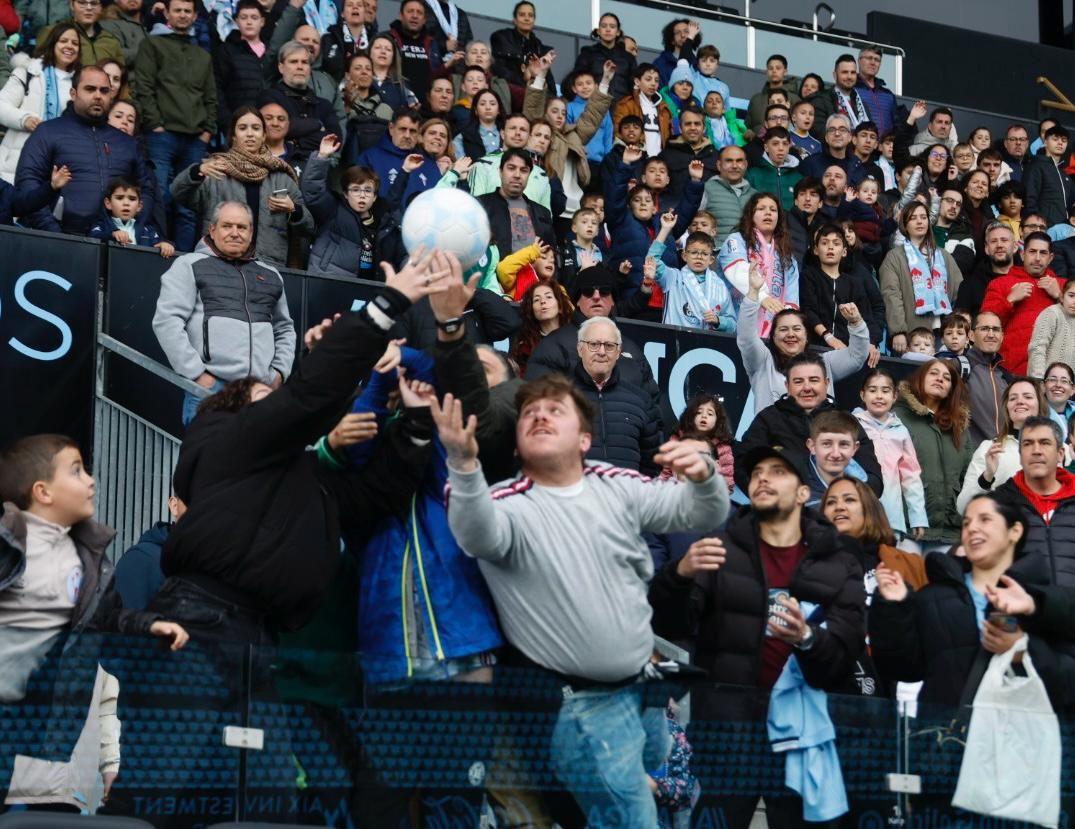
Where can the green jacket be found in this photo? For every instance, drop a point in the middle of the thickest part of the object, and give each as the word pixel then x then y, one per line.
pixel 37 14
pixel 173 84
pixel 943 464
pixel 724 203
pixel 769 179
pixel 94 48
pixel 760 100
pixel 129 33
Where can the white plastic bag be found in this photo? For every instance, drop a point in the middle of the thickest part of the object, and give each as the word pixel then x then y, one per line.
pixel 1011 764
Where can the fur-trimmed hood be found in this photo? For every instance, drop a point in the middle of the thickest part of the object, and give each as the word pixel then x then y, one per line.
pixel 919 408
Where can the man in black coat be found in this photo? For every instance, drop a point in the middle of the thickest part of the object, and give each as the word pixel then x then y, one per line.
pixel 754 595
pixel 260 540
pixel 692 145
pixel 626 428
pixel 515 221
pixel 1045 493
pixel 593 297
pixel 787 422
pixel 997 261
pixel 311 117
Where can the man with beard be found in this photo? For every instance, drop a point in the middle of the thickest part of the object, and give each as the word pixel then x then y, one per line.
pixel 999 256
pixel 82 142
pixel 753 596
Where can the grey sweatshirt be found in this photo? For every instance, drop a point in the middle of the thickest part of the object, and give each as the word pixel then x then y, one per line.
pixel 568 568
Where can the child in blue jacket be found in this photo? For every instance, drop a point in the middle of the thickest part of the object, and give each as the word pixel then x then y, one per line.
pixel 119 221
pixel 695 296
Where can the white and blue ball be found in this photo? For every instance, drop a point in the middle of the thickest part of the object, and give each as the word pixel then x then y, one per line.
pixel 447 219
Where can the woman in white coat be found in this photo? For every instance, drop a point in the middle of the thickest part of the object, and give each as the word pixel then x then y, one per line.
pixel 39 89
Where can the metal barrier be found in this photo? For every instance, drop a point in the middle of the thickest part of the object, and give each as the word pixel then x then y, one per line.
pixel 134 459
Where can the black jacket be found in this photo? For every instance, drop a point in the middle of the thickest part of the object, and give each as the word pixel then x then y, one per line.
pixel 932 635
pixel 240 76
pixel 489 319
pixel 558 354
pixel 511 51
pixel 341 234
pixel 802 233
pixel 820 296
pixel 592 59
pixel 337 49
pixel 726 610
pixel 496 207
pixel 312 118
pixel 786 424
pixel 1049 190
pixel 1063 258
pixel 1053 542
pixel 626 429
pixel 678 155
pixel 264 517
pixel 433 27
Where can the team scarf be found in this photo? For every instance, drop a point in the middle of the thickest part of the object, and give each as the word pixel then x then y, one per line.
pixel 53 106
pixel 929 280
pixel 323 14
pixel 450 27
pixel 851 106
pixel 702 293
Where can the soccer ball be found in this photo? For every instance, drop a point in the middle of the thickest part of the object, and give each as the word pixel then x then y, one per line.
pixel 450 220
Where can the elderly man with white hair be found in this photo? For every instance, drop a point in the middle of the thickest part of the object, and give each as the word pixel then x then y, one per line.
pixel 626 429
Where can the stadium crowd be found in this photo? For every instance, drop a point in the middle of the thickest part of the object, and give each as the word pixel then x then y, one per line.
pixel 532 507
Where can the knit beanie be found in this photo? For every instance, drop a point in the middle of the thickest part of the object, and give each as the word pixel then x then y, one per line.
pixel 682 72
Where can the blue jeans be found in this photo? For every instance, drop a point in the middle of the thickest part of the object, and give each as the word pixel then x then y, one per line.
pixel 171 154
pixel 191 403
pixel 602 746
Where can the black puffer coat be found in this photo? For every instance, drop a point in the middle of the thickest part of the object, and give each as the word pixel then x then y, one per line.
pixel 337 250
pixel 626 428
pixel 932 635
pixel 787 424
pixel 726 610
pixel 240 76
pixel 592 59
pixel 1055 541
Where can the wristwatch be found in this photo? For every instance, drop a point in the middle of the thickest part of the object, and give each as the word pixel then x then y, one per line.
pixel 808 640
pixel 450 326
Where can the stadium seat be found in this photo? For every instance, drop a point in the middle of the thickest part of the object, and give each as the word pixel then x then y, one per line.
pixel 59 820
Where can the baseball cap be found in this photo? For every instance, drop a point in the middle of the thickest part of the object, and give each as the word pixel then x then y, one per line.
pixel 750 459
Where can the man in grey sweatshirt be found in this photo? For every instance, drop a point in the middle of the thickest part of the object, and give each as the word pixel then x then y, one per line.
pixel 561 549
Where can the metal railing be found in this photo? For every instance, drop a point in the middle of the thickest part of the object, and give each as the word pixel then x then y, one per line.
pixel 134 459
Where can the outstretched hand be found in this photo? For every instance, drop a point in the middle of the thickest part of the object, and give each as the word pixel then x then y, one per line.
pixel 685 460
pixel 316 333
pixel 418 278
pixel 1010 597
pixel 459 439
pixel 453 300
pixel 416 394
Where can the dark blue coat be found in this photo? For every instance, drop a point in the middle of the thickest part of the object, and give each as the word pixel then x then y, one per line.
pixel 626 427
pixel 386 159
pixel 94 153
pixel 631 238
pixel 138 572
pixel 144 234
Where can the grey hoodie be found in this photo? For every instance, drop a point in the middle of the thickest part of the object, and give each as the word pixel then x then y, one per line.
pixel 228 317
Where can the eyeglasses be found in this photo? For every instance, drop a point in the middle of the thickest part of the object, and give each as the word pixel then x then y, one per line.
pixel 88 4
pixel 599 345
pixel 361 191
pixel 1034 226
pixel 837 129
pixel 989 329
pixel 938 155
pixel 950 200
pixel 1057 381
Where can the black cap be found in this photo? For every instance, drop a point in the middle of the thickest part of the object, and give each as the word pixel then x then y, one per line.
pixel 749 460
pixel 865 126
pixel 595 276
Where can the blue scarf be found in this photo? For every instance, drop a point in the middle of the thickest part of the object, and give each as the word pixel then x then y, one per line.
pixel 930 283
pixel 53 108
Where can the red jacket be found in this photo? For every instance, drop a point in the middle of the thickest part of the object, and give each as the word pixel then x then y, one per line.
pixel 1018 319
pixel 9 19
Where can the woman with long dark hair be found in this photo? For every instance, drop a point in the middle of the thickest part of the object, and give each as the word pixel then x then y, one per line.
pixel 761 241
pixel 481 135
pixel 38 90
pixel 608 47
pixel 942 634
pixel 388 79
pixel 977 206
pixel 514 48
pixel 934 406
pixel 544 308
pixel 248 172
pixel 919 280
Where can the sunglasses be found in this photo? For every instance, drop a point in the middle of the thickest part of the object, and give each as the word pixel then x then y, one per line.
pixel 601 289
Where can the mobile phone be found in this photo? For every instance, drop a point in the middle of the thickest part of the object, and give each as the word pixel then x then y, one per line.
pixel 1005 621
pixel 281 192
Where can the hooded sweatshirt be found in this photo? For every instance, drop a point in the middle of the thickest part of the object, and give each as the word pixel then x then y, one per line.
pixel 1046 505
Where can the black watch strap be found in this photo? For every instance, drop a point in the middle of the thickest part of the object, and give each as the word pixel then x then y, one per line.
pixel 450 326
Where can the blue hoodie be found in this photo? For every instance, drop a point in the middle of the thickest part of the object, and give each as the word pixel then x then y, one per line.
pixel 454 604
pixel 386 159
pixel 598 146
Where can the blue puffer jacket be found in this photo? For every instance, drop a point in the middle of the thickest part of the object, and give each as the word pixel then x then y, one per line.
pixel 386 159
pixel 94 153
pixel 453 602
pixel 598 146
pixel 631 238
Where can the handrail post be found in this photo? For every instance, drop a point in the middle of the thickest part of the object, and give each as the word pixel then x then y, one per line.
pixel 752 45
